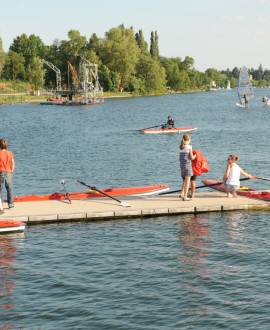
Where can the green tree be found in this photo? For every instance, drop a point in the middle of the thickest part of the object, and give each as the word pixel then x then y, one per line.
pixel 29 47
pixel 259 75
pixel 35 73
pixel 141 42
pixel 216 77
pixel 136 86
pixel 77 43
pixel 154 48
pixel 183 81
pixel 94 43
pixel 196 78
pixel 2 57
pixel 187 63
pixel 119 52
pixel 150 71
pixel 235 72
pixel 266 76
pixel 105 78
pixel 14 67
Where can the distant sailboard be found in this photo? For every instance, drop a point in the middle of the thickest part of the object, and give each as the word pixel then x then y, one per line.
pixel 245 88
pixel 241 105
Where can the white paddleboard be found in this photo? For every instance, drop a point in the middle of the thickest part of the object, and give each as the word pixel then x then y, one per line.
pixel 241 105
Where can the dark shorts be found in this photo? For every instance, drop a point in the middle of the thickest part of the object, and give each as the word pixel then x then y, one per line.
pixel 192 178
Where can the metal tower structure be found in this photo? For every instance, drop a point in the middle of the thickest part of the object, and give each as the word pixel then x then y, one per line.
pixel 89 79
pixel 58 75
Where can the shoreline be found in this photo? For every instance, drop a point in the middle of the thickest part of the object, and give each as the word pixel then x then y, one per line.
pixel 105 96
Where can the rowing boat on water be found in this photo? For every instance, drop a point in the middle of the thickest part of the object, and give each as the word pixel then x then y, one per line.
pixel 11 226
pixel 168 130
pixel 243 191
pixel 133 191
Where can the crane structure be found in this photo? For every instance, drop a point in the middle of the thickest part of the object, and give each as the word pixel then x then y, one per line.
pixel 58 74
pixel 89 79
pixel 74 76
pixel 85 87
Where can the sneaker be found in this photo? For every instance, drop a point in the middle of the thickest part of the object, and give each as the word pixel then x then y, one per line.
pixel 11 206
pixel 2 211
pixel 186 199
pixel 229 195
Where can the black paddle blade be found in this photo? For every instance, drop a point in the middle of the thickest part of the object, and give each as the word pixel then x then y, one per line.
pixel 103 193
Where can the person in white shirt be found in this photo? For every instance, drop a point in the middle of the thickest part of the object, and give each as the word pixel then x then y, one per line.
pixel 231 177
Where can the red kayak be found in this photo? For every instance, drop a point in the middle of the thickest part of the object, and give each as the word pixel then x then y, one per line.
pixel 243 191
pixel 168 130
pixel 11 225
pixel 133 191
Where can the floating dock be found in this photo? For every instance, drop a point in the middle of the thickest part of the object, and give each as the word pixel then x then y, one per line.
pixel 108 209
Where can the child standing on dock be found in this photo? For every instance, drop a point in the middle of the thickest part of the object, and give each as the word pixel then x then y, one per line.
pixel 7 165
pixel 231 177
pixel 185 158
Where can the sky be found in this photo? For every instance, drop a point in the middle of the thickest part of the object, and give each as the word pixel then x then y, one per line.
pixel 216 34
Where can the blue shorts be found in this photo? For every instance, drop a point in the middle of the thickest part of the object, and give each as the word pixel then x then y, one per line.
pixel 230 187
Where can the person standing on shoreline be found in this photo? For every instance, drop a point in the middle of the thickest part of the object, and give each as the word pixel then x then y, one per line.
pixel 185 158
pixel 7 165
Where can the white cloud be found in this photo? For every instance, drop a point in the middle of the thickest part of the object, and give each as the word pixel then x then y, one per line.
pixel 260 19
pixel 261 33
pixel 263 2
pixel 231 19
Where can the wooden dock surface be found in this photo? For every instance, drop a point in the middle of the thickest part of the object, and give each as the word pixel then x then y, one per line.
pixel 106 208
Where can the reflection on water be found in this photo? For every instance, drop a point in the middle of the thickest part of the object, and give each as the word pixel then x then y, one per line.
pixel 7 279
pixel 205 271
pixel 194 236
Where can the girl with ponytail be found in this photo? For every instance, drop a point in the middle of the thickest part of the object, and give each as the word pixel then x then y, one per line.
pixel 185 158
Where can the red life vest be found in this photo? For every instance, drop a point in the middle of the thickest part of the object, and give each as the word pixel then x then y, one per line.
pixel 199 164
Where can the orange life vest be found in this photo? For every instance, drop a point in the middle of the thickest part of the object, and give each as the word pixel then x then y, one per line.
pixel 199 164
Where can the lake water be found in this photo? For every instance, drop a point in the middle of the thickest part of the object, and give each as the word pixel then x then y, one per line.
pixel 209 271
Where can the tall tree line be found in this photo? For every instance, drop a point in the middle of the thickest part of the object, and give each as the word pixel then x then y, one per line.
pixel 123 57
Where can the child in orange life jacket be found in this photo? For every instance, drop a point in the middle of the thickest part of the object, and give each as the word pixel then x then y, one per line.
pixel 232 176
pixel 186 156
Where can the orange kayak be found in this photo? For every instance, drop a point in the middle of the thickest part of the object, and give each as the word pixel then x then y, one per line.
pixel 11 225
pixel 243 191
pixel 133 191
pixel 168 130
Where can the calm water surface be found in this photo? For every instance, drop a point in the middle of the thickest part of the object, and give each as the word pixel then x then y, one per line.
pixel 209 271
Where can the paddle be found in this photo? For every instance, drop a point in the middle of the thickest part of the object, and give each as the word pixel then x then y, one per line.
pixel 151 127
pixel 67 194
pixel 103 193
pixel 267 179
pixel 205 186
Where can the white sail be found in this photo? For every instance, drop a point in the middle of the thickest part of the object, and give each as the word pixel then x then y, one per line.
pixel 244 86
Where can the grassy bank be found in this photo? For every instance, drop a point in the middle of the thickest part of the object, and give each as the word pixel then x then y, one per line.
pixel 12 92
pixel 10 99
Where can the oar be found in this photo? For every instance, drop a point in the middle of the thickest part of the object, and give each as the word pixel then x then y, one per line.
pixel 103 193
pixel 267 179
pixel 205 186
pixel 65 188
pixel 151 127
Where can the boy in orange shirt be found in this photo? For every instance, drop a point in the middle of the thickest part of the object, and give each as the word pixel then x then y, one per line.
pixel 7 165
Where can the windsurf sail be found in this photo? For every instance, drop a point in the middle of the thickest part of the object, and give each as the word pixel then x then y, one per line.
pixel 245 88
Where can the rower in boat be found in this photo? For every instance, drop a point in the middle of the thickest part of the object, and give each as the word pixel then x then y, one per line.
pixel 170 123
